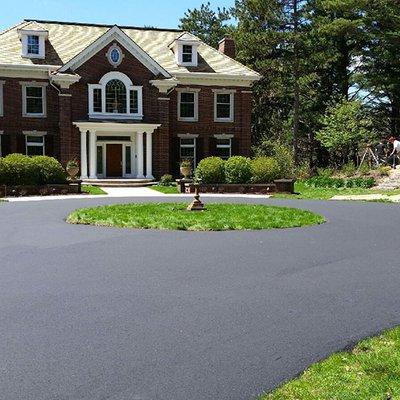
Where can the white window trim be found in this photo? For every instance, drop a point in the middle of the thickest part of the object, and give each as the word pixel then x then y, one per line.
pixel 2 98
pixel 232 105
pixel 225 146
pixel 189 146
pixel 35 133
pixel 42 85
pixel 1 144
pixel 42 43
pixel 177 47
pixel 196 104
pixel 102 85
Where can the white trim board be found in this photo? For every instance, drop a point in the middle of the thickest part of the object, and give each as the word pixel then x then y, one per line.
pixel 115 34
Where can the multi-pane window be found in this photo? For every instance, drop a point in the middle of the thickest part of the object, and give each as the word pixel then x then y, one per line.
pixel 134 102
pixel 187 53
pixel 115 97
pixel 188 106
pixel 33 44
pixel 34 145
pixel 34 100
pixel 99 160
pixel 128 161
pixel 188 150
pixel 97 100
pixel 224 106
pixel 224 148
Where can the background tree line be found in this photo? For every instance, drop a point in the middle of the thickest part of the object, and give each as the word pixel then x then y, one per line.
pixel 331 70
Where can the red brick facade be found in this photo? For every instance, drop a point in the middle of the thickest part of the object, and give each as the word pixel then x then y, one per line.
pixel 65 106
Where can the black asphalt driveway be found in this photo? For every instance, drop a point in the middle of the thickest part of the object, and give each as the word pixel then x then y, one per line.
pixel 92 313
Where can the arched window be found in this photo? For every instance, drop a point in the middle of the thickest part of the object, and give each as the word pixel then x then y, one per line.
pixel 116 97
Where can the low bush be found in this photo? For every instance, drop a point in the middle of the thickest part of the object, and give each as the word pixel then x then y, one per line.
pixel 166 180
pixel 48 170
pixel 284 157
pixel 238 170
pixel 329 182
pixel 211 170
pixel 264 169
pixel 349 169
pixel 325 172
pixel 18 169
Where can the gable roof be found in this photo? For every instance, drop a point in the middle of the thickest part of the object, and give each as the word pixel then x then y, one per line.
pixel 67 40
pixel 115 34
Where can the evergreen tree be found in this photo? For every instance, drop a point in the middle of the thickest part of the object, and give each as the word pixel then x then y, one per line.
pixel 209 25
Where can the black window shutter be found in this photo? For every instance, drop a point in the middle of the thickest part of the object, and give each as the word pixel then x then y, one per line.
pixel 21 144
pixel 49 145
pixel 234 147
pixel 199 149
pixel 212 146
pixel 5 145
pixel 175 155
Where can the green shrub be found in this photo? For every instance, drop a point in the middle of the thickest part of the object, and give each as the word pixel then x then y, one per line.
pixel 329 182
pixel 284 157
pixel 17 169
pixel 282 153
pixel 349 169
pixel 48 170
pixel 166 180
pixel 303 171
pixel 211 170
pixel 238 170
pixel 383 170
pixel 264 169
pixel 325 172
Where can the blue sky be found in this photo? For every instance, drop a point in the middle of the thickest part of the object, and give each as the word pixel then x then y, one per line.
pixel 159 13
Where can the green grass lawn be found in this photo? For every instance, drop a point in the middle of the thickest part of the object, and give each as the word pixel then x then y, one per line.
pixel 304 192
pixel 89 189
pixel 217 217
pixel 165 189
pixel 370 371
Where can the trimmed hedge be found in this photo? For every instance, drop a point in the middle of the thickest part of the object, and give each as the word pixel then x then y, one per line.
pixel 238 170
pixel 241 170
pixel 264 170
pixel 18 169
pixel 211 170
pixel 329 182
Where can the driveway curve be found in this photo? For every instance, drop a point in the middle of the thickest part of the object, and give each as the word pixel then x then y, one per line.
pixel 94 313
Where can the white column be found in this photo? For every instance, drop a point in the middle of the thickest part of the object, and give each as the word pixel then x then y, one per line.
pixel 140 158
pixel 83 156
pixel 92 155
pixel 149 155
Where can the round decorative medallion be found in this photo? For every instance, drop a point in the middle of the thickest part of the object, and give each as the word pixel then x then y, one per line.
pixel 115 55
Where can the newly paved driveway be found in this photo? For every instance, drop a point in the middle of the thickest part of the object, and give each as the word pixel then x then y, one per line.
pixel 101 313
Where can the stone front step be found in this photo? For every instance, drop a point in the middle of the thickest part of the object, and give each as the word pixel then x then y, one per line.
pixel 118 182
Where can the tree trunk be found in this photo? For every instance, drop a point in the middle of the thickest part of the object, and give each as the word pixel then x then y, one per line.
pixel 296 73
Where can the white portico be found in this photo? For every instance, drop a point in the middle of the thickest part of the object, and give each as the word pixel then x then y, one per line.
pixel 116 150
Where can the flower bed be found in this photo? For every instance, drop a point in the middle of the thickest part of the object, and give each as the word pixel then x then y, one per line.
pixel 280 185
pixel 42 190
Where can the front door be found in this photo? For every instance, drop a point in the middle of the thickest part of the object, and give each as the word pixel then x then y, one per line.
pixel 114 160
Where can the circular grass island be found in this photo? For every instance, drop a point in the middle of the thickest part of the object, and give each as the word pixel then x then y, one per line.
pixel 175 216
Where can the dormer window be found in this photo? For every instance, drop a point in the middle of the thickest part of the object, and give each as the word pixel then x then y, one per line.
pixel 33 38
pixel 187 53
pixel 185 50
pixel 33 45
pixel 115 97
